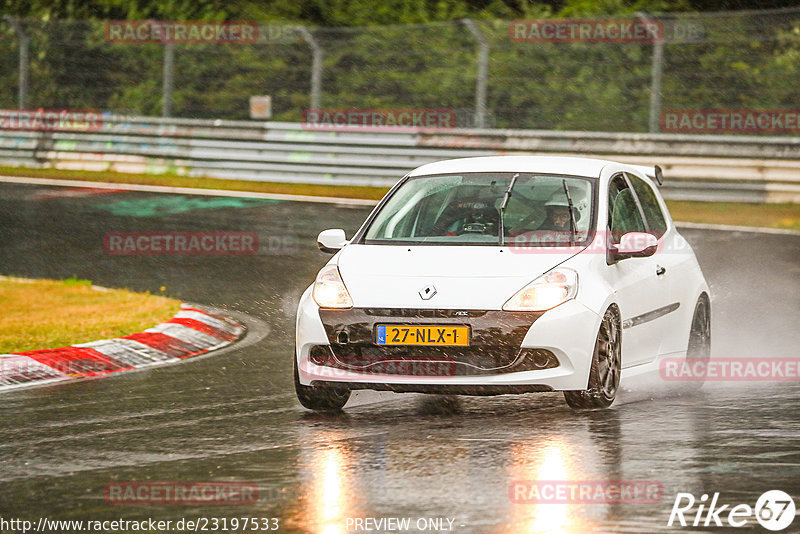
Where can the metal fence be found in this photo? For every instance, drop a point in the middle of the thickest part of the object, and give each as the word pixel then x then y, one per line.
pixel 731 60
pixel 710 168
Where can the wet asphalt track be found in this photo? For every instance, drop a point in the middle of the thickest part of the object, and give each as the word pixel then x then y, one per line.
pixel 233 416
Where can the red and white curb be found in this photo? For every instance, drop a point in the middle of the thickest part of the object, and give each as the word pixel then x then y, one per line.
pixel 190 332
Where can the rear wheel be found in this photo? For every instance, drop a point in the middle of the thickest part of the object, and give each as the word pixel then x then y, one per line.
pixel 699 349
pixel 606 369
pixel 319 397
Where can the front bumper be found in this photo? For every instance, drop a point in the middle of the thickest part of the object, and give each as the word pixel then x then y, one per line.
pixel 500 359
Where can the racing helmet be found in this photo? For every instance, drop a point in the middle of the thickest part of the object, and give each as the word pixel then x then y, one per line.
pixel 559 199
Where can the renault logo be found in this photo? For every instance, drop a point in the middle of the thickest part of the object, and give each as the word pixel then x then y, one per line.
pixel 427 292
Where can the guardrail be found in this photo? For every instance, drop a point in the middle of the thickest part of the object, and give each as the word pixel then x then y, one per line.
pixel 697 167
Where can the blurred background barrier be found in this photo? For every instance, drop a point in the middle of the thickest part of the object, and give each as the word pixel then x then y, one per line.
pixel 482 69
pixel 509 88
pixel 697 167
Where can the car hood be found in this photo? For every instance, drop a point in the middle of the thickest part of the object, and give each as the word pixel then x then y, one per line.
pixel 464 277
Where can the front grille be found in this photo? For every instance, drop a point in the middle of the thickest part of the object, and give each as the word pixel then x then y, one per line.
pixel 494 348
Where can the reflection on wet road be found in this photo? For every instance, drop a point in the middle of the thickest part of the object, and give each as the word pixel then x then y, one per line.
pixel 234 417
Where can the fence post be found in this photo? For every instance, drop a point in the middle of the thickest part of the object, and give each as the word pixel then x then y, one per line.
pixel 24 59
pixel 657 72
pixel 316 67
pixel 482 74
pixel 168 80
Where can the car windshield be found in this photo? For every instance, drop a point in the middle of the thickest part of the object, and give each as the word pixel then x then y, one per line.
pixel 465 209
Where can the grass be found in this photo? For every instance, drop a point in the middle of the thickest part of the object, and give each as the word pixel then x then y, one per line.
pixel 786 216
pixel 46 314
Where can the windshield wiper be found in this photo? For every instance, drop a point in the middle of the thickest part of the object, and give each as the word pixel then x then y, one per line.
pixel 506 196
pixel 573 226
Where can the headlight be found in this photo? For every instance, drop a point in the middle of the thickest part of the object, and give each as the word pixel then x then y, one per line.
pixel 547 291
pixel 329 290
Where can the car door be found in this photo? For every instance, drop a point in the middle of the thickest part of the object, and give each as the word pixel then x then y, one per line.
pixel 670 258
pixel 641 292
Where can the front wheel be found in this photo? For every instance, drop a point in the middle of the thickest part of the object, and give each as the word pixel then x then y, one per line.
pixel 318 397
pixel 606 367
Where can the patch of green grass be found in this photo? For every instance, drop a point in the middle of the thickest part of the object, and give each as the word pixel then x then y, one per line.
pixel 75 281
pixel 48 314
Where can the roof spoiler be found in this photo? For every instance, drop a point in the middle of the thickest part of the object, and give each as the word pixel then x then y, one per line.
pixel 654 173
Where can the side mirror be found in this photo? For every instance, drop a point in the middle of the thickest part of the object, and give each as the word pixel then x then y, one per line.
pixel 634 245
pixel 331 241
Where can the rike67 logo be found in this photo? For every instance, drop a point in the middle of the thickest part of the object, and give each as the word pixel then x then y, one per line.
pixel 774 510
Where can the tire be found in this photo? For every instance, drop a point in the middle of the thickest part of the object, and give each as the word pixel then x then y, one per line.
pixel 699 348
pixel 606 370
pixel 319 398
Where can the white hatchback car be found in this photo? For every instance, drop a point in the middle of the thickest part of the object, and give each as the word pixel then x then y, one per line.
pixel 506 274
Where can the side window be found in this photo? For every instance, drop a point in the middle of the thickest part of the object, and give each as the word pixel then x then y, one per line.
pixel 623 213
pixel 656 222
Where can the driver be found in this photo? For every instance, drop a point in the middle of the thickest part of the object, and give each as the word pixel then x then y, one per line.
pixel 557 214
